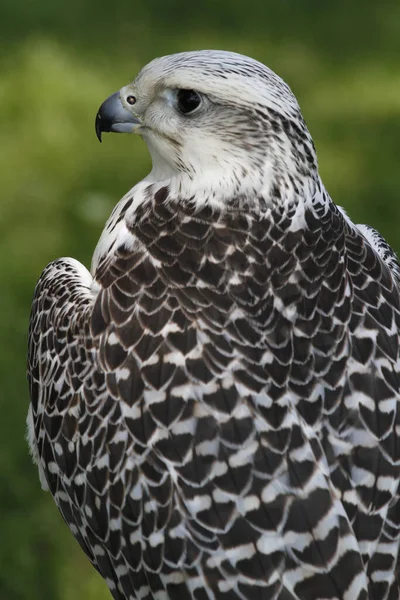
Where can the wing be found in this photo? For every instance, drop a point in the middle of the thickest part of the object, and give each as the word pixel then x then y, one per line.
pixel 382 248
pixel 216 414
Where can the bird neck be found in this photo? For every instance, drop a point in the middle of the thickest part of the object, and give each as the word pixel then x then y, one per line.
pixel 253 194
pixel 255 191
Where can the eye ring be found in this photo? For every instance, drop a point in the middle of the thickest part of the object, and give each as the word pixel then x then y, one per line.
pixel 188 101
pixel 131 100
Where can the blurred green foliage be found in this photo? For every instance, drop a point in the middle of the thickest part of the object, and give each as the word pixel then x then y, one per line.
pixel 58 185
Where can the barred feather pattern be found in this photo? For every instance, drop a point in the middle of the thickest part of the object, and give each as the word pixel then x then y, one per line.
pixel 217 413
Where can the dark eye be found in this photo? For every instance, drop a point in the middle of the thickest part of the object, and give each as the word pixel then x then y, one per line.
pixel 131 100
pixel 188 100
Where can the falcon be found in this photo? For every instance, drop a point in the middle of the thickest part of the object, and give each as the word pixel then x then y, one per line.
pixel 215 406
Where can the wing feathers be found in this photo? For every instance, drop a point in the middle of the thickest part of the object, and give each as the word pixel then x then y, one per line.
pixel 223 408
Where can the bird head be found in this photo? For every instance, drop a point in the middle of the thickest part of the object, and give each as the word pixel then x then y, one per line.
pixel 214 116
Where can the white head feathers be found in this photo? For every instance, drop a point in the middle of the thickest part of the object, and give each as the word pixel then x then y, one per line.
pixel 245 132
pixel 225 76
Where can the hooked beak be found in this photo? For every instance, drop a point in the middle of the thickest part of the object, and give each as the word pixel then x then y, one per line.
pixel 113 116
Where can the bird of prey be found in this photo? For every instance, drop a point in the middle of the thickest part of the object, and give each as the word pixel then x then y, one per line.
pixel 215 406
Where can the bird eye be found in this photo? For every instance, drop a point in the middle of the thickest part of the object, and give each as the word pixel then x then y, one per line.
pixel 188 100
pixel 131 100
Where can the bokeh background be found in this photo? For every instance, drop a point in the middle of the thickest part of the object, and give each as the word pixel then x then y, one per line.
pixel 58 61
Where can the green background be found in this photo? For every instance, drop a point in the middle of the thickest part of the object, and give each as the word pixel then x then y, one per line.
pixel 58 61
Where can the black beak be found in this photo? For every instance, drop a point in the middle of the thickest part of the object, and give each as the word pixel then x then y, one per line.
pixel 113 116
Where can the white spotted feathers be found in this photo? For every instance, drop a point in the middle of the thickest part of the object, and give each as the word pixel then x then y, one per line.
pixel 215 409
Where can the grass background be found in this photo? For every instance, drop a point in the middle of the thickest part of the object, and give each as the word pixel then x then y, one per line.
pixel 58 61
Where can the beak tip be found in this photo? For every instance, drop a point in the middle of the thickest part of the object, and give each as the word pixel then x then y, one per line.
pixel 98 127
pixel 112 116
